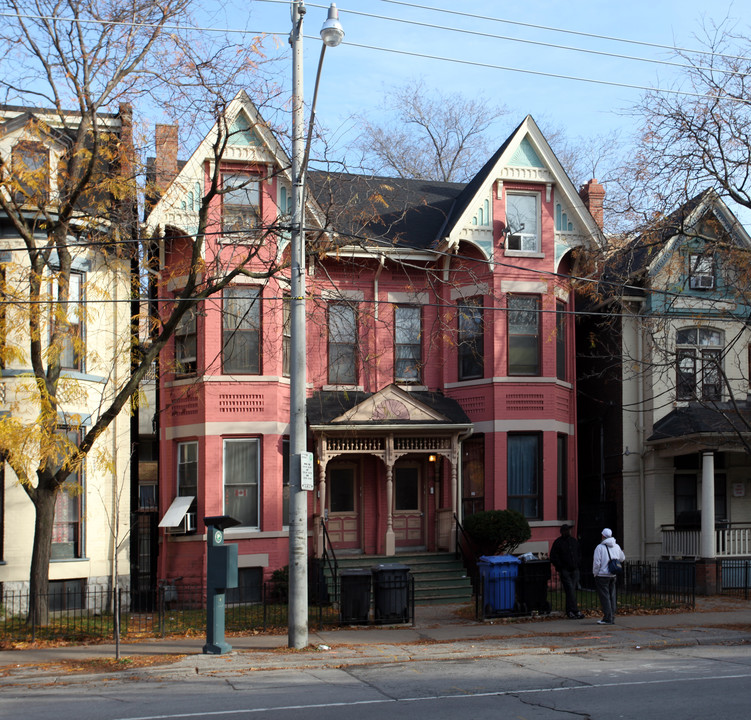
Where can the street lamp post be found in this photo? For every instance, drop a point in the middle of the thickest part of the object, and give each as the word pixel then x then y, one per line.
pixel 331 34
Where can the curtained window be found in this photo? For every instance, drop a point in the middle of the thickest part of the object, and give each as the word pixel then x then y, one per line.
pixel 241 485
pixel 524 465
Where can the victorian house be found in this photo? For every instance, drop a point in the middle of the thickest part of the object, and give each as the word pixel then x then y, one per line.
pixel 440 351
pixel 665 415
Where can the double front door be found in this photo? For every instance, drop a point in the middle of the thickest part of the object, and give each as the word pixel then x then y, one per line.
pixel 347 506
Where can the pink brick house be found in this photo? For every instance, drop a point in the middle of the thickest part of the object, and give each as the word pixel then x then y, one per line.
pixel 441 376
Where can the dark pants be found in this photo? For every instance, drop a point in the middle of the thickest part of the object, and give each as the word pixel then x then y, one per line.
pixel 570 581
pixel 606 590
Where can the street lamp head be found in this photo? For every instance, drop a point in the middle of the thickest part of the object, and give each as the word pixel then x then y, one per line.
pixel 332 31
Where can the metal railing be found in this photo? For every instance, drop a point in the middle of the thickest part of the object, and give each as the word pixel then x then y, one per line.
pixel 734 577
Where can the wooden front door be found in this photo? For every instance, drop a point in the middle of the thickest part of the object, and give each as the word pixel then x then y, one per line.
pixel 409 506
pixel 343 507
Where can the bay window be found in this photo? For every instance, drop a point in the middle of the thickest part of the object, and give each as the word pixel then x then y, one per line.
pixel 241 480
pixel 241 330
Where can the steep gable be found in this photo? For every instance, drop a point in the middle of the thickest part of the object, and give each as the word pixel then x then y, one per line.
pixel 524 157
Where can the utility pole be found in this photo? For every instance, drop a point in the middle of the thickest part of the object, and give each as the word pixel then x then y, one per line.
pixel 331 34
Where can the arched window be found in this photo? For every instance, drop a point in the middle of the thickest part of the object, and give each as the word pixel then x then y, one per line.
pixel 699 363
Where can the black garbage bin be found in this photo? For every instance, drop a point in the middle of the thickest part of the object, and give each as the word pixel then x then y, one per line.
pixel 498 573
pixel 354 595
pixel 391 593
pixel 532 585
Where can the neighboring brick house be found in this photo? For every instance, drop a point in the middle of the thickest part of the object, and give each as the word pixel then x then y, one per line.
pixel 441 374
pixel 667 422
pixel 36 148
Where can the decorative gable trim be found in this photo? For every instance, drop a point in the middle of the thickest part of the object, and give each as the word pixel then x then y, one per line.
pixel 389 405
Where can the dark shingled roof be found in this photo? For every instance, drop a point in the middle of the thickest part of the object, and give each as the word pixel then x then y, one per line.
pixel 326 405
pixel 697 419
pixel 393 212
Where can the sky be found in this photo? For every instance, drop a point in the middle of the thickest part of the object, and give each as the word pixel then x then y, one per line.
pixel 489 51
pixel 356 75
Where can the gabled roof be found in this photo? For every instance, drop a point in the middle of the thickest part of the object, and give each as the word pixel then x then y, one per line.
pixel 645 253
pixel 390 406
pixel 527 146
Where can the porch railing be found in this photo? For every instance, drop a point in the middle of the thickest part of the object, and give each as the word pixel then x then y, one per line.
pixel 731 541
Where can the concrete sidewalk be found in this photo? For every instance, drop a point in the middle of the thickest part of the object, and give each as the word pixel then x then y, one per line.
pixel 439 633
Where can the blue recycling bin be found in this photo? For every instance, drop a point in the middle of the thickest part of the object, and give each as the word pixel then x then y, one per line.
pixel 498 573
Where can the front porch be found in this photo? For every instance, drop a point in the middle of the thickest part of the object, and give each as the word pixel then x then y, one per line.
pixel 733 541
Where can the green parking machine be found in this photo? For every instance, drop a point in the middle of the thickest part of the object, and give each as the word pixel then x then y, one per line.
pixel 221 573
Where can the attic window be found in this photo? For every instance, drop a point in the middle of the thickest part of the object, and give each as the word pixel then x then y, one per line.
pixel 522 222
pixel 31 172
pixel 701 272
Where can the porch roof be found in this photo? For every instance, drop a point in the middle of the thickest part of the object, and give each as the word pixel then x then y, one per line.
pixel 698 426
pixel 325 406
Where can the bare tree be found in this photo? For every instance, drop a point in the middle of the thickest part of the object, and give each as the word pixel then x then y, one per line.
pixel 431 135
pixel 81 60
pixel 700 136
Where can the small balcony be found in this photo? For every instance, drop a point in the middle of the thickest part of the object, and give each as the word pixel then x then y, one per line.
pixel 732 540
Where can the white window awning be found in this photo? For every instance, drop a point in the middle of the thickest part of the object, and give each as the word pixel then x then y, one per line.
pixel 177 511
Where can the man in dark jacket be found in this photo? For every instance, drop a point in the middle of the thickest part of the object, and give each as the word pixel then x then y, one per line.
pixel 566 558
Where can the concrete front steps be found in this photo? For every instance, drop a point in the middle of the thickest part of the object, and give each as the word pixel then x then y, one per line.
pixel 439 577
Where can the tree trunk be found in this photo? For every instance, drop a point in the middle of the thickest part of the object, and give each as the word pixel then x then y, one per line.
pixel 44 505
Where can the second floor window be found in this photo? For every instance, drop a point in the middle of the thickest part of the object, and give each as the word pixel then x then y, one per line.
pixel 471 339
pixel 698 364
pixel 701 272
pixel 286 334
pixel 407 344
pixel 342 344
pixel 68 317
pixel 241 328
pixel 186 344
pixel 522 222
pixel 560 340
pixel 523 335
pixel 241 202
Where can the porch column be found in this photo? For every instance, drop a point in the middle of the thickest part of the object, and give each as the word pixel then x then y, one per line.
pixel 707 506
pixel 454 499
pixel 390 537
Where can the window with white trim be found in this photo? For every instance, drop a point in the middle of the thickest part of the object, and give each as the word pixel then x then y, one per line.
pixel 67 526
pixel 699 364
pixel 241 202
pixel 701 271
pixel 186 344
pixel 407 343
pixel 68 319
pixel 241 330
pixel 342 346
pixel 241 480
pixel 523 222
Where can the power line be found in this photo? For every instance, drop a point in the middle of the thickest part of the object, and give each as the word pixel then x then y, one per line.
pixel 549 28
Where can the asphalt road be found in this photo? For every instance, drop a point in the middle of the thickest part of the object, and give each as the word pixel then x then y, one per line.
pixel 703 682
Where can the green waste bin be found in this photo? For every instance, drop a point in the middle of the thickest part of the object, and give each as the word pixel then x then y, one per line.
pixel 391 592
pixel 532 586
pixel 498 573
pixel 354 597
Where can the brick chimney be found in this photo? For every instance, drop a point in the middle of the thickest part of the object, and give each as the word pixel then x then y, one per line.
pixel 165 167
pixel 593 195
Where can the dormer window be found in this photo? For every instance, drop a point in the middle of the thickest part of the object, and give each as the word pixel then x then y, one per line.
pixel 241 202
pixel 31 173
pixel 701 271
pixel 522 222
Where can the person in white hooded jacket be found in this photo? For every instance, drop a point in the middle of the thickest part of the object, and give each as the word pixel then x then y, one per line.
pixel 606 551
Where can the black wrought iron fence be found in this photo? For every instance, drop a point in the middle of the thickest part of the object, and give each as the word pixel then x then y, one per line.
pixel 521 590
pixel 162 611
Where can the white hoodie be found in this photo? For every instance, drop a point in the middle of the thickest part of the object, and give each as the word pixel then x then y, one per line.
pixel 601 559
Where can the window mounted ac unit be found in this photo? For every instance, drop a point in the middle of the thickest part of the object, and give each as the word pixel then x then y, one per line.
pixel 188 525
